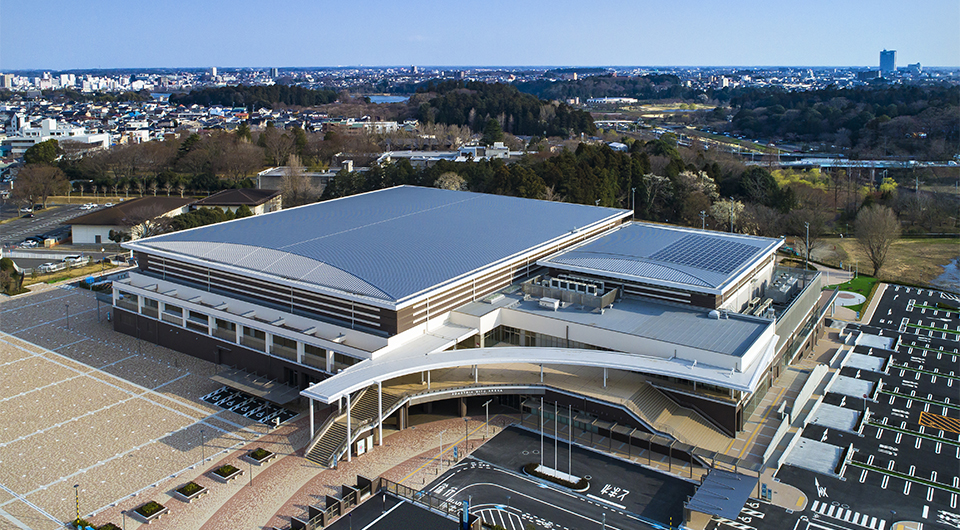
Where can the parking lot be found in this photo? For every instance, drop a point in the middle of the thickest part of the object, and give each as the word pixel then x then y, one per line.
pixel 622 495
pixel 43 221
pixel 84 405
pixel 882 451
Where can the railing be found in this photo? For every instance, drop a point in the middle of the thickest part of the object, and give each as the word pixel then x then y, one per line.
pixel 427 500
pixel 284 351
pixel 229 335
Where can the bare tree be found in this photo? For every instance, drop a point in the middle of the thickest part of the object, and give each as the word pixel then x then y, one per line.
pixel 278 145
pixel 168 187
pixel 153 187
pixel 877 228
pixel 551 194
pixel 239 160
pixel 146 221
pixel 295 187
pixel 36 183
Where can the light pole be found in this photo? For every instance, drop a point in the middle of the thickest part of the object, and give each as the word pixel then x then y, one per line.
pixel 76 492
pixel 102 264
pixel 67 306
pixel 466 436
pixel 249 463
pixel 806 263
pixel 731 215
pixel 633 203
pixel 597 202
pixel 703 219
pixel 440 455
pixel 203 457
pixel 486 425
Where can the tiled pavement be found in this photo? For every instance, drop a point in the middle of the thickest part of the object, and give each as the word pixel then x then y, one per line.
pixel 155 390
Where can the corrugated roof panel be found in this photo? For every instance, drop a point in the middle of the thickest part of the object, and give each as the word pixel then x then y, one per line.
pixel 399 241
pixel 669 254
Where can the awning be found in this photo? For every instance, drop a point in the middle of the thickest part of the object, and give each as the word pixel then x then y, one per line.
pixel 259 386
pixel 722 493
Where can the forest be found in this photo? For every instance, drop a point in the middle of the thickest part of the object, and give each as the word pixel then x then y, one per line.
pixel 474 103
pixel 254 97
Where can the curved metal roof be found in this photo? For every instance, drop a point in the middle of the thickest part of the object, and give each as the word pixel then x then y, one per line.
pixel 682 257
pixel 389 244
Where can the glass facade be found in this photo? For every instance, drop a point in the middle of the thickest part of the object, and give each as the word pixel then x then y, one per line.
pixel 254 339
pixel 315 356
pixel 225 330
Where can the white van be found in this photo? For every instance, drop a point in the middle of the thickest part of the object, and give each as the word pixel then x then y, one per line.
pixel 76 260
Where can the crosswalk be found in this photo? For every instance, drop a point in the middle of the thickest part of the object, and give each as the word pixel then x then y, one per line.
pixel 850 516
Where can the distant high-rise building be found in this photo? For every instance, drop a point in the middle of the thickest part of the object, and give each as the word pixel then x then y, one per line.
pixel 6 80
pixel 213 72
pixel 888 61
pixel 413 69
pixel 274 73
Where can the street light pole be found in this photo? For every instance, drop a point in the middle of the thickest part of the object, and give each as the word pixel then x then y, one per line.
pixel 102 264
pixel 466 436
pixel 67 306
pixel 633 203
pixel 486 426
pixel 806 264
pixel 440 455
pixel 731 215
pixel 703 219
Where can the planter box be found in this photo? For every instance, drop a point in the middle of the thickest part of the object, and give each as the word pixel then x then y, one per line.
pixel 154 515
pixel 227 477
pixel 265 456
pixel 197 493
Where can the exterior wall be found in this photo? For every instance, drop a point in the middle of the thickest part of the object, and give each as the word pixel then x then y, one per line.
pixel 87 234
pixel 723 415
pixel 748 289
pixel 210 349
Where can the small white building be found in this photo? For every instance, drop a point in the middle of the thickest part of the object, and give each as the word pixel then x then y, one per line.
pixel 49 129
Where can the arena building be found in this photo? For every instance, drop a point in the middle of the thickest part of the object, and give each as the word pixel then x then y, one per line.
pixel 385 300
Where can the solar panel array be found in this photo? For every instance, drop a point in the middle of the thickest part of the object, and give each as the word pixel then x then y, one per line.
pixel 707 253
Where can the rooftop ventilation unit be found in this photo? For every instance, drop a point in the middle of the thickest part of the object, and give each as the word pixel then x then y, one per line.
pixel 550 303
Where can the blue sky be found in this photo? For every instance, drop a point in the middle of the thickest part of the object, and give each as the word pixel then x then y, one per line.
pixel 66 34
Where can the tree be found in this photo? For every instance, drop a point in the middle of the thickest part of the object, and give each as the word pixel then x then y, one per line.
pixel 451 181
pixel 243 211
pixel 726 212
pixel 243 132
pixel 42 153
pixel 36 183
pixel 492 132
pixel 295 186
pixel 876 229
pixel 144 221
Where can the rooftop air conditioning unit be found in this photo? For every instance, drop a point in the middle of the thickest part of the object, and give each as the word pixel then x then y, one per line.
pixel 550 303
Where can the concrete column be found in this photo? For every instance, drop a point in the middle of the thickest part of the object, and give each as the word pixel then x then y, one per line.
pixel 311 419
pixel 462 407
pixel 379 413
pixel 329 357
pixel 268 342
pixel 476 374
pixel 299 352
pixel 604 377
pixel 428 379
pixel 349 427
pixel 239 332
pixel 541 373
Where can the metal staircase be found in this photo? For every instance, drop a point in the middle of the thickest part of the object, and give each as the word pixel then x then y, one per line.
pixel 331 439
pixel 686 425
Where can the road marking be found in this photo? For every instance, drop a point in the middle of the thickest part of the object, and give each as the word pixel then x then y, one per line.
pixel 605 501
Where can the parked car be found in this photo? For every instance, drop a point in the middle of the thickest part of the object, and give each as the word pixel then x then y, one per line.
pixel 26 209
pixel 29 243
pixel 52 267
pixel 75 260
pixel 28 216
pixel 107 204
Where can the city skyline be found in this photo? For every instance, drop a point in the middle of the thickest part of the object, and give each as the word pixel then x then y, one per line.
pixel 306 34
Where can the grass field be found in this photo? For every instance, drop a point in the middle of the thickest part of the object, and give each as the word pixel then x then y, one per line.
pixel 911 261
pixel 860 285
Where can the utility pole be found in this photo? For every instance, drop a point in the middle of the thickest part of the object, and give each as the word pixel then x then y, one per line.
pixel 486 426
pixel 633 203
pixel 703 219
pixel 731 215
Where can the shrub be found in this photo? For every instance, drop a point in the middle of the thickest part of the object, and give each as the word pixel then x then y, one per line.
pixel 226 470
pixel 259 454
pixel 189 488
pixel 149 509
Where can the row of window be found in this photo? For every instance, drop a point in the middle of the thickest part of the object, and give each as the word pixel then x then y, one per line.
pixel 253 338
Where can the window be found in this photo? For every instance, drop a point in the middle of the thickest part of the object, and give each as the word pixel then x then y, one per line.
pixel 150 308
pixel 341 361
pixel 127 301
pixel 284 347
pixel 254 339
pixel 315 356
pixel 198 322
pixel 225 330
pixel 172 314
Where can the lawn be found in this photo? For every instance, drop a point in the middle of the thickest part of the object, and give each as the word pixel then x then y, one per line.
pixel 910 261
pixel 860 285
pixel 81 272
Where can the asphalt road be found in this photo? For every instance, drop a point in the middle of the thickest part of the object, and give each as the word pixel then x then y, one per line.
pixel 629 494
pixel 377 513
